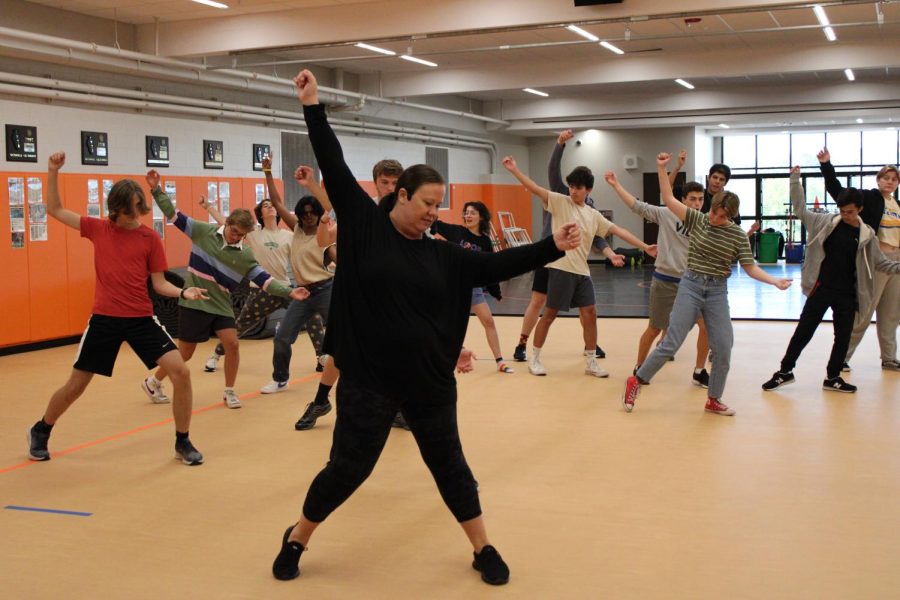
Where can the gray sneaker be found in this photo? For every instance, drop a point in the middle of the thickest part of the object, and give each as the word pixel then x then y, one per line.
pixel 890 365
pixel 187 453
pixel 37 444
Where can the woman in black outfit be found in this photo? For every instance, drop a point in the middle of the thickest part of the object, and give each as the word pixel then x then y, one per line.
pixel 409 295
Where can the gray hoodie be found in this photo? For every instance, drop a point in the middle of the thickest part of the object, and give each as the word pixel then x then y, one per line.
pixel 818 227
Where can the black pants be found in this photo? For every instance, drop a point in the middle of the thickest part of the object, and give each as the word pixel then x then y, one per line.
pixel 361 429
pixel 843 308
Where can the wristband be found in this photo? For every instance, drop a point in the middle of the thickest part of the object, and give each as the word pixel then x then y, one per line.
pixel 181 294
pixel 267 170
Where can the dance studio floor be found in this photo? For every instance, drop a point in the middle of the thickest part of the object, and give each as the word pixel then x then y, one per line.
pixel 794 497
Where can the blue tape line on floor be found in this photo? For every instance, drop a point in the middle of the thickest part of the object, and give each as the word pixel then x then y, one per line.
pixel 55 511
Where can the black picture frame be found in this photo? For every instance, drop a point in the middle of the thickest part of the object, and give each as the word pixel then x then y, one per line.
pixel 95 148
pixel 21 143
pixel 157 151
pixel 213 154
pixel 259 152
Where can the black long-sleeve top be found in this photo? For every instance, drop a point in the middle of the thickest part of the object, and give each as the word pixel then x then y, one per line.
pixel 457 234
pixel 873 201
pixel 400 307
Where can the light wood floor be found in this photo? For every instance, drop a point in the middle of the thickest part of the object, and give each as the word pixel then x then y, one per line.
pixel 792 498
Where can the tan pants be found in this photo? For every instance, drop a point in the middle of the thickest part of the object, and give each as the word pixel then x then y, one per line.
pixel 886 303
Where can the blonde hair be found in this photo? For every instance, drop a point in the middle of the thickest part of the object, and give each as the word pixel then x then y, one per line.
pixel 887 169
pixel 727 201
pixel 241 217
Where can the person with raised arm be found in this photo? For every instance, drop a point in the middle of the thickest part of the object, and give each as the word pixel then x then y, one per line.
pixel 569 282
pixel 715 243
pixel 126 253
pixel 399 299
pixel 218 263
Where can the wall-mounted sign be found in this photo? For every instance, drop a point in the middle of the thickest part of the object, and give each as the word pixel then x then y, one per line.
pixel 213 154
pixel 94 148
pixel 21 143
pixel 157 151
pixel 260 151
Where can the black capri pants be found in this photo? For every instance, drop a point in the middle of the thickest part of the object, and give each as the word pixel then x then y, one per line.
pixel 361 429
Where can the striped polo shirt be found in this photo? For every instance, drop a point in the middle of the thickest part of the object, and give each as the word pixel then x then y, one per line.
pixel 713 249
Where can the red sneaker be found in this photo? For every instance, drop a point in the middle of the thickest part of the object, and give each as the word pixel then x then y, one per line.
pixel 714 406
pixel 632 391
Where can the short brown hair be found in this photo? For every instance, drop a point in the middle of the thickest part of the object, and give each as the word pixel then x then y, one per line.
pixel 887 169
pixel 241 217
pixel 727 201
pixel 389 167
pixel 119 200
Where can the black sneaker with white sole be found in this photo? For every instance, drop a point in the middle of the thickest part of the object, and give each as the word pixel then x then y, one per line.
pixel 37 444
pixel 779 378
pixel 836 384
pixel 845 367
pixel 701 378
pixel 599 353
pixel 519 353
pixel 311 414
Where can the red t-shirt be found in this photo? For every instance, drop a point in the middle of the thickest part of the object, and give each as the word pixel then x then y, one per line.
pixel 123 260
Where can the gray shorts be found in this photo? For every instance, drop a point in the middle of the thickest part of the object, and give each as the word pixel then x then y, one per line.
pixel 662 299
pixel 567 290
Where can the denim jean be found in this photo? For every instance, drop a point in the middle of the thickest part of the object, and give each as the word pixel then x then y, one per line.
pixel 698 295
pixel 295 318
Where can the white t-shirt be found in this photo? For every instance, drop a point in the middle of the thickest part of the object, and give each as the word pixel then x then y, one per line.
pixel 591 223
pixel 272 250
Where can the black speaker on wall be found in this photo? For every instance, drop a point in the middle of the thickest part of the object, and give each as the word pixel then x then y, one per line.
pixel 595 2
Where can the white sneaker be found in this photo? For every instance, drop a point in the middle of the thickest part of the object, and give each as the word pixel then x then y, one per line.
pixel 592 367
pixel 231 400
pixel 535 367
pixel 274 386
pixel 212 363
pixel 154 390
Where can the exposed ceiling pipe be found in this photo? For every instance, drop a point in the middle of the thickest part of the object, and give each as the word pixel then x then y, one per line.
pixel 294 122
pixel 72 50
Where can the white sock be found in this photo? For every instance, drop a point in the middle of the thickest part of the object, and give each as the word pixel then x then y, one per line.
pixel 536 352
pixel 589 353
pixel 153 380
pixel 229 389
pixel 698 371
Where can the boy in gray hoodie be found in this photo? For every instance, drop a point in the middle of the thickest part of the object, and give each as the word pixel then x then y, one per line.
pixel 841 257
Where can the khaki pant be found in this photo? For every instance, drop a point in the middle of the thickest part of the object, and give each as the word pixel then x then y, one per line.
pixel 886 303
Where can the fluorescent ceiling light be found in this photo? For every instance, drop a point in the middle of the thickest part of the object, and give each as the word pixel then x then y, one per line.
pixel 211 3
pixel 849 74
pixel 724 126
pixel 375 49
pixel 820 14
pixel 421 61
pixel 684 83
pixel 859 120
pixel 611 48
pixel 583 33
pixel 829 33
pixel 535 92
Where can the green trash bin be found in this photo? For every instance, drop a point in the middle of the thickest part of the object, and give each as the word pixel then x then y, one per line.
pixel 768 247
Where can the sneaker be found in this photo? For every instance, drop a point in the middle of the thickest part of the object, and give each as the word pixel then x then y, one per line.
pixel 212 363
pixel 231 400
pixel 504 368
pixel 491 566
pixel 714 406
pixel 187 453
pixel 845 367
pixel 536 368
pixel 274 386
pixel 37 444
pixel 313 411
pixel 591 367
pixel 400 421
pixel 701 378
pixel 319 367
pixel 779 378
pixel 155 391
pixel 287 563
pixel 632 391
pixel 519 353
pixel 836 384
pixel 599 353
pixel 890 365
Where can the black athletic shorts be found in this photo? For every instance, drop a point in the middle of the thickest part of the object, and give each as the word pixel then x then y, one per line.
pixel 541 276
pixel 104 335
pixel 196 326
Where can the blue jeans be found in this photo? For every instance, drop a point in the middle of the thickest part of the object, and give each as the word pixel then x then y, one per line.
pixel 698 295
pixel 295 318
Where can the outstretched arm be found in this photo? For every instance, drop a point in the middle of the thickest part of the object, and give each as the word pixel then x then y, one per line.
pixel 633 239
pixel 306 177
pixel 164 288
pixel 754 271
pixel 509 163
pixel 54 204
pixel 289 218
pixel 162 200
pixel 554 169
pixel 212 210
pixel 665 188
pixel 624 195
pixel 832 185
pixel 682 157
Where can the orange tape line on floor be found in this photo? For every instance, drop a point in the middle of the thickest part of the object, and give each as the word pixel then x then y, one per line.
pixel 124 434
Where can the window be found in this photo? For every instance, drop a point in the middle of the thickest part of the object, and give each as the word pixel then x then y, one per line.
pixel 879 148
pixel 739 151
pixel 773 151
pixel 746 191
pixel 844 148
pixel 804 147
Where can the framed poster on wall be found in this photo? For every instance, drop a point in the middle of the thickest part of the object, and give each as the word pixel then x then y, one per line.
pixel 21 143
pixel 213 154
pixel 94 148
pixel 157 151
pixel 260 151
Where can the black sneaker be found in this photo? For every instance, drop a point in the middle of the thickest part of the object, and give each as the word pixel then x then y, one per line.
pixel 187 453
pixel 287 563
pixel 845 367
pixel 313 411
pixel 701 378
pixel 491 566
pixel 779 378
pixel 319 367
pixel 400 422
pixel 600 353
pixel 519 353
pixel 37 444
pixel 836 384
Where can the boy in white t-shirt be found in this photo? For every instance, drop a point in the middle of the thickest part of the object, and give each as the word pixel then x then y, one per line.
pixel 570 284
